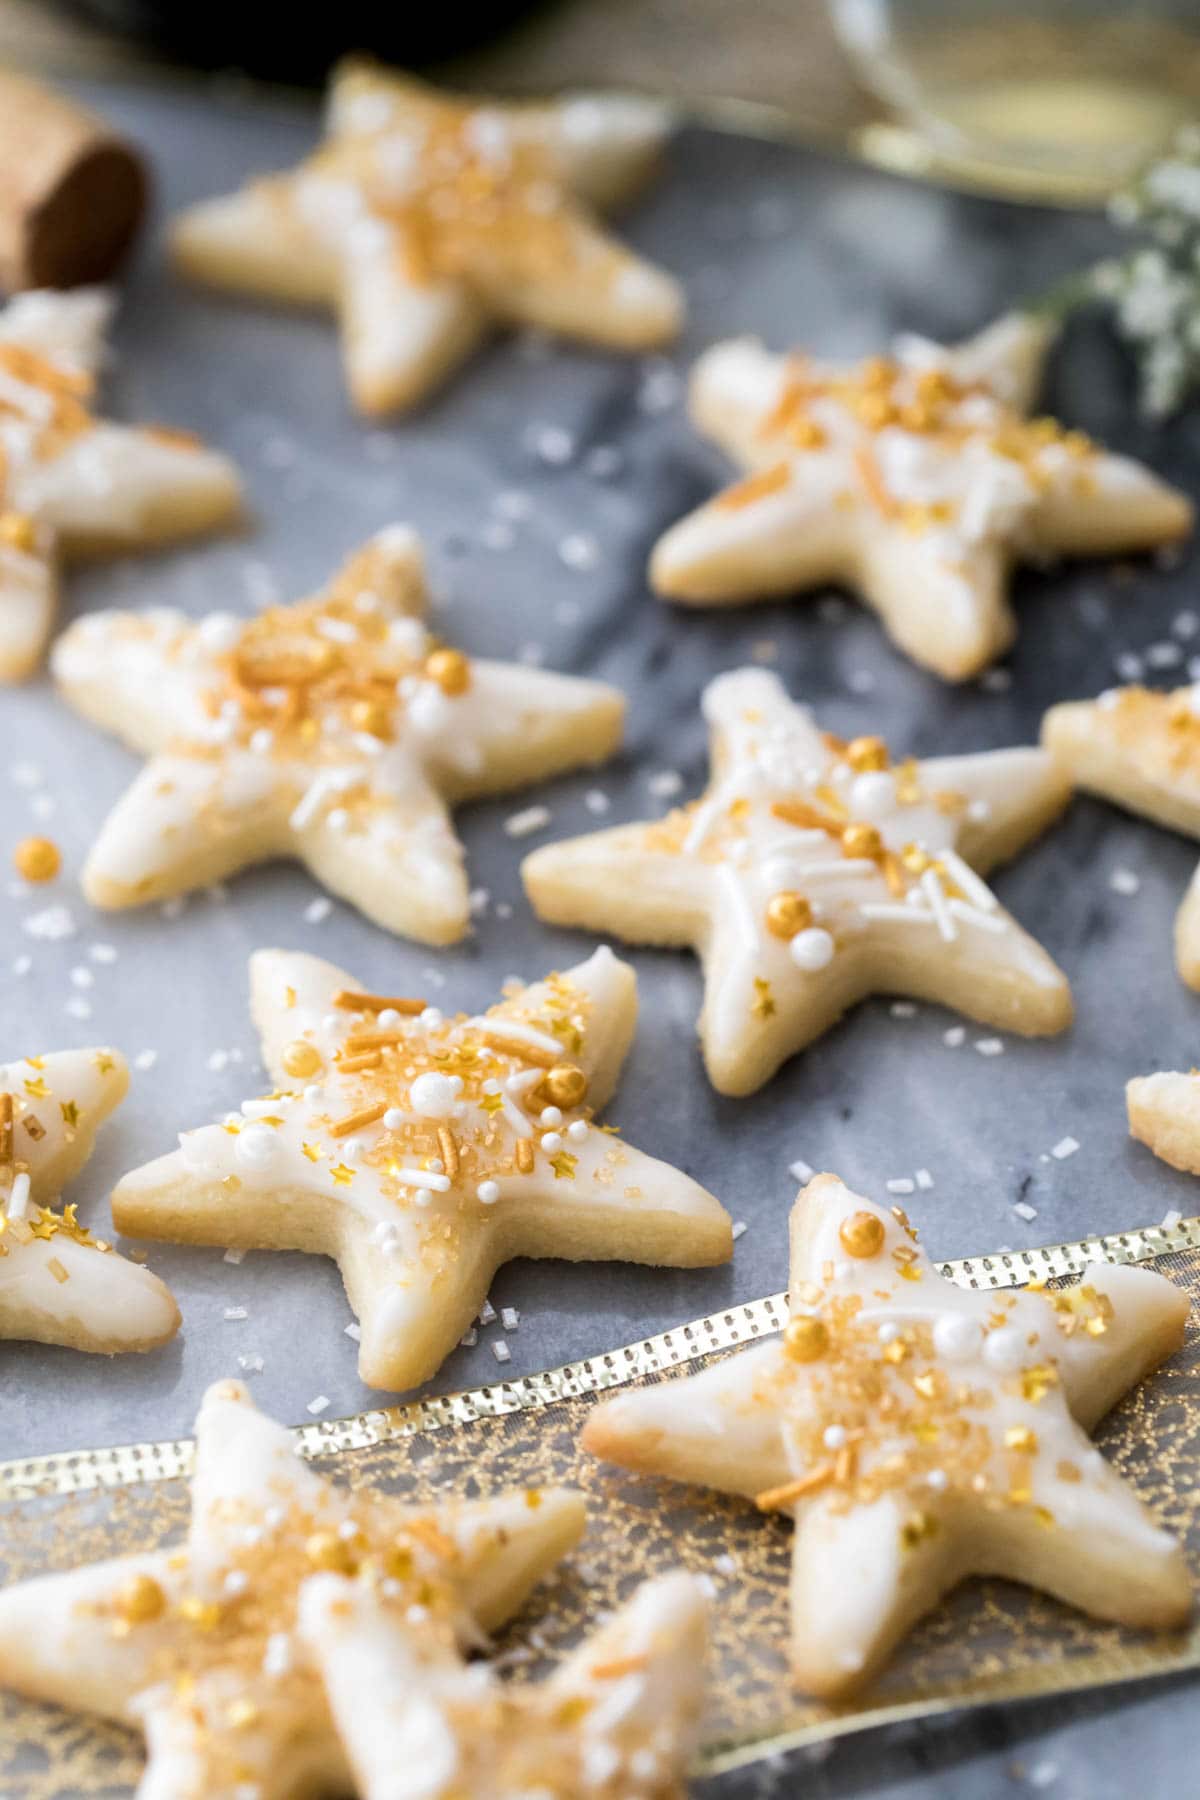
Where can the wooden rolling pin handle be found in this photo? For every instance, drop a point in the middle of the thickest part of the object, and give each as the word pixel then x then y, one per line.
pixel 72 193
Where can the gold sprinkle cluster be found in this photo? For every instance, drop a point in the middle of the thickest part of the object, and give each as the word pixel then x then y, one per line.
pixel 881 393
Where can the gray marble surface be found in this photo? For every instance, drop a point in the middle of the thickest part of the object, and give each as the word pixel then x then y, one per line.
pixel 768 239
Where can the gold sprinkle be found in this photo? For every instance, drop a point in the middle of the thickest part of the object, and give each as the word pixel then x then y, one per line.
pixel 37 859
pixel 805 1339
pixel 861 841
pixel 1020 1439
pixel 777 1498
pixel 862 1234
pixel 369 1059
pixel 451 671
pixel 140 1600
pixel 787 913
pixel 524 1156
pixel 352 1001
pixel 755 487
pixel 867 754
pixel 70 1114
pixel 312 1151
pixel 449 1149
pixel 564 1166
pixel 762 1006
pixel 301 1059
pixel 327 1550
pixel 18 532
pixel 619 1666
pixel 519 1049
pixel 916 1529
pixel 564 1085
pixel 57 1270
pixel 6 1131
pixel 355 1121
pixel 342 1175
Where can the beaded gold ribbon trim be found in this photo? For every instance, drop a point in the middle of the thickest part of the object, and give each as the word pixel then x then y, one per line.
pixel 988 1642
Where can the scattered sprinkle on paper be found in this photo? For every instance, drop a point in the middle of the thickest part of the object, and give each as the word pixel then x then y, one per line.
pixel 521 824
pixel 1065 1147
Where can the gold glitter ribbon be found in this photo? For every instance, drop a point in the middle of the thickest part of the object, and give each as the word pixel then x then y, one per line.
pixel 988 1642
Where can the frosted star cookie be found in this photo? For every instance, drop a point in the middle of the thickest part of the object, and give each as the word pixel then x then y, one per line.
pixel 618 1720
pixel 73 485
pixel 1164 1113
pixel 915 478
pixel 1141 750
pixel 918 1433
pixel 421 1151
pixel 337 731
pixel 198 1647
pixel 423 219
pixel 58 1283
pixel 814 872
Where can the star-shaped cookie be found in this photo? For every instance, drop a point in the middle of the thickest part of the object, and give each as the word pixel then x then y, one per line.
pixel 337 731
pixel 1142 750
pixel 423 219
pixel 919 1433
pixel 72 485
pixel 58 1283
pixel 916 479
pixel 814 872
pixel 1164 1113
pixel 618 1720
pixel 422 1151
pixel 199 1646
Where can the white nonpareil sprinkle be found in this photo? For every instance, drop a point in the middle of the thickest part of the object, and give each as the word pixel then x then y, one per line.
pixel 234 1257
pixel 487 1313
pixel 78 1008
pixel 551 444
pixel 145 1059
pixel 996 681
pixel 353 1330
pixel 954 1036
pixel 800 1171
pixel 1023 1210
pixel 1065 1147
pixel 52 925
pixel 510 1318
pixel 318 910
pixel 901 1184
pixel 738 1228
pixel 596 801
pixel 469 1339
pixel 501 1351
pixel 234 1313
pixel 103 953
pixel 903 1009
pixel 22 965
pixel 665 783
pixel 250 1365
pixel 520 824
pixel 579 551
pixel 318 1404
pixel 1128 666
pixel 990 1046
pixel 1124 881
pixel 924 1180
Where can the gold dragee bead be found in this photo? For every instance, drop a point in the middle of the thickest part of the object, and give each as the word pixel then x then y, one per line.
pixel 140 1600
pixel 18 532
pixel 372 716
pixel 867 754
pixel 915 860
pixel 300 1058
pixel 806 1339
pixel 862 1234
pixel 37 859
pixel 326 1550
pixel 564 1085
pixel 788 913
pixel 861 841
pixel 450 669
